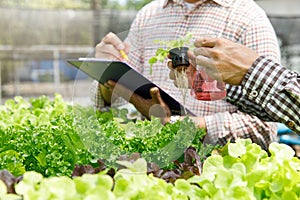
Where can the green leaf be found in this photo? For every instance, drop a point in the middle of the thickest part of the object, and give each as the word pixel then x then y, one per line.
pixel 122 187
pixel 210 188
pixel 281 151
pixel 238 172
pixel 237 149
pixel 30 179
pixel 183 186
pixel 289 195
pixel 41 157
pixel 3 188
pixel 223 179
pixel 242 193
pixel 187 190
pixel 58 187
pixel 89 181
pixel 138 166
pixel 99 193
pixel 211 166
pixel 152 61
pixel 253 156
pixel 255 176
pixel 12 160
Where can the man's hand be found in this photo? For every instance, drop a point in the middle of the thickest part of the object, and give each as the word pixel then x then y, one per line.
pixel 190 70
pixel 223 59
pixel 110 47
pixel 148 107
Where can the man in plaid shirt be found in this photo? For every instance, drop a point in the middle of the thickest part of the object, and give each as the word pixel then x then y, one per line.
pixel 237 20
pixel 267 90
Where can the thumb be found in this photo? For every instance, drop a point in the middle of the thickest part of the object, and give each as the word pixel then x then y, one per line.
pixel 159 107
pixel 155 95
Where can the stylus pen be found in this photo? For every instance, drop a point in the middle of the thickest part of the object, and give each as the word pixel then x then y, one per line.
pixel 123 54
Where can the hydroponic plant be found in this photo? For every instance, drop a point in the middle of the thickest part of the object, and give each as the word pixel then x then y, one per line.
pixel 51 137
pixel 240 170
pixel 162 52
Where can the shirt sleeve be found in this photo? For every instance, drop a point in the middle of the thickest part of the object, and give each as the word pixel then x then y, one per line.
pixel 270 92
pixel 226 126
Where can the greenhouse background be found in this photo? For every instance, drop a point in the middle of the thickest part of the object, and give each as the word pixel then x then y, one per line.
pixel 37 39
pixel 37 42
pixel 51 148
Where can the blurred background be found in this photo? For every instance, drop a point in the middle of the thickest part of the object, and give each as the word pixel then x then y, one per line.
pixel 38 36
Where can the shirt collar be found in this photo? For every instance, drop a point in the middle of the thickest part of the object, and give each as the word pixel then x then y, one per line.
pixel 224 3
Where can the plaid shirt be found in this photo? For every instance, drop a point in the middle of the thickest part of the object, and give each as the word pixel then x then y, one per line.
pixel 270 92
pixel 238 20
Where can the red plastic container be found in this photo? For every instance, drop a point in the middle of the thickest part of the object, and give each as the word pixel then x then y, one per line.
pixel 205 88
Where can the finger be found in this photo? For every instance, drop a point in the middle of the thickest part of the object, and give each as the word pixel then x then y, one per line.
pixel 113 39
pixel 209 68
pixel 205 42
pixel 110 84
pixel 107 51
pixel 204 61
pixel 120 90
pixel 192 58
pixel 175 83
pixel 202 51
pixel 159 108
pixel 155 95
pixel 190 72
pixel 172 75
pixel 170 64
pixel 106 56
pixel 113 45
pixel 169 55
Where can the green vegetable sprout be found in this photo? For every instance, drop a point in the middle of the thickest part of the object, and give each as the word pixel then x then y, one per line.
pixel 162 53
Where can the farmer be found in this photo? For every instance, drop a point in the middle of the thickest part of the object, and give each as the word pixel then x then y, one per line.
pixel 238 20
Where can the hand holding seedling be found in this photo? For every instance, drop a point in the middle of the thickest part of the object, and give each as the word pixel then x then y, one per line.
pixel 162 53
pixel 188 70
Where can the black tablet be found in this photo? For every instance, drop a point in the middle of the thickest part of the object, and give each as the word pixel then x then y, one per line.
pixel 118 71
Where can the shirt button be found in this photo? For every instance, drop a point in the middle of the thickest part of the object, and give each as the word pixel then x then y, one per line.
pixel 253 93
pixel 290 124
